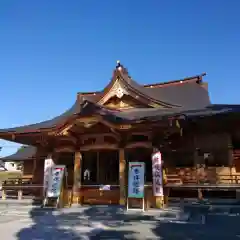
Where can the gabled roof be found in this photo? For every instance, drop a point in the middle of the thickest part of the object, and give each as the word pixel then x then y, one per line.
pixel 187 92
pixel 121 74
pixel 179 98
pixel 22 154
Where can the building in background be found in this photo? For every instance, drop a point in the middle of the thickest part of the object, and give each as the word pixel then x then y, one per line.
pixel 22 160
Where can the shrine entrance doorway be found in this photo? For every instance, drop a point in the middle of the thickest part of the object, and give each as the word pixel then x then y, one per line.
pixel 100 177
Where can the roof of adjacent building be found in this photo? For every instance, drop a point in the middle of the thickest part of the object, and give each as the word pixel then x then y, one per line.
pixel 22 154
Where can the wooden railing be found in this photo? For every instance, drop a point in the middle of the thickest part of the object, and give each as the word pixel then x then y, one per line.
pixel 203 175
pixel 195 178
pixel 21 188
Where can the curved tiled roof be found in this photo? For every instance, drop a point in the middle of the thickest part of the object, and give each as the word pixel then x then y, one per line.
pixel 149 114
pixel 45 124
pixel 22 154
pixel 166 94
pixel 184 96
pixel 187 95
pixel 29 152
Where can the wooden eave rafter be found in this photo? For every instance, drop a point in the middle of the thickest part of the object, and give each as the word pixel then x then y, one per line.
pixel 12 134
pixel 116 129
pixel 68 138
pixel 93 135
pixel 87 122
pixel 25 138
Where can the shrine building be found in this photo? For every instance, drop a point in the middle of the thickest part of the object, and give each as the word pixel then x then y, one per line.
pixel 103 131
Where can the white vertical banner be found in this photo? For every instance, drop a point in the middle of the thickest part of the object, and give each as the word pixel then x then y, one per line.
pixel 157 174
pixel 48 164
pixel 55 181
pixel 136 180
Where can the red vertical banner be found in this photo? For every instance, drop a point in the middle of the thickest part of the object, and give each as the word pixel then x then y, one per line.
pixel 157 174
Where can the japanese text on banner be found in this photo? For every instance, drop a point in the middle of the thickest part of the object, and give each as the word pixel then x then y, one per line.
pixel 55 182
pixel 136 180
pixel 157 174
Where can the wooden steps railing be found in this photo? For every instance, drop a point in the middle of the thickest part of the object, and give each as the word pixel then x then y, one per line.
pixel 210 176
pixel 20 188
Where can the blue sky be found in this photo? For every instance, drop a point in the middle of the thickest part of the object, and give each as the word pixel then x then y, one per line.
pixel 50 50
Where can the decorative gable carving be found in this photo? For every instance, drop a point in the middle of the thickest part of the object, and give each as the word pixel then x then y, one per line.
pixel 126 102
pixel 117 90
pixel 121 86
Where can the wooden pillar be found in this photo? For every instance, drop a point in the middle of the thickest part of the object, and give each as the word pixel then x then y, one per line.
pixel 37 174
pixel 98 169
pixel 230 154
pixel 20 194
pixel 34 165
pixel 159 202
pixel 197 166
pixel 122 175
pixel 4 195
pixel 77 199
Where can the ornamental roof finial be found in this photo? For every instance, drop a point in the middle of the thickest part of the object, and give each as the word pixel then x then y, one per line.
pixel 119 66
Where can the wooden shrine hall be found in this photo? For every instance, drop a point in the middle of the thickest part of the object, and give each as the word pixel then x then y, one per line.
pixel 103 131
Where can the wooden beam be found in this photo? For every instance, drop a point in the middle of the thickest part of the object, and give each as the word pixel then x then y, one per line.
pixel 93 135
pixel 65 149
pixel 139 144
pixel 99 146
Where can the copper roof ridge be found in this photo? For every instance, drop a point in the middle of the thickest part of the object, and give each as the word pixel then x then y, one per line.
pixel 88 93
pixel 176 81
pixel 153 84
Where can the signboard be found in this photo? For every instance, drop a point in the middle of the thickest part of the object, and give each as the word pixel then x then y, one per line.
pixel 136 180
pixel 105 187
pixel 48 164
pixel 55 181
pixel 157 174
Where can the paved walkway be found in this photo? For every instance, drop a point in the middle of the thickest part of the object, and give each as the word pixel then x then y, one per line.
pixel 109 222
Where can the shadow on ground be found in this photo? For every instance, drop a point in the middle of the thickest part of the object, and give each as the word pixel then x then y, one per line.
pixel 218 224
pixel 79 223
pixel 115 223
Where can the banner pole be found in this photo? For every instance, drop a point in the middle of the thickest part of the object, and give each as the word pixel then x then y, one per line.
pixel 143 204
